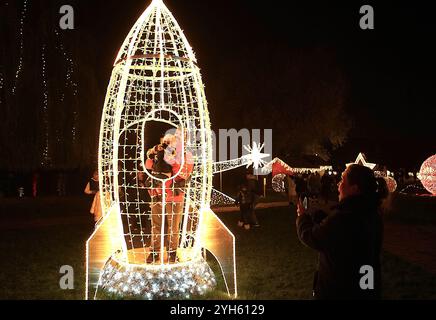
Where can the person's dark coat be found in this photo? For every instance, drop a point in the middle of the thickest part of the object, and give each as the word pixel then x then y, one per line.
pixel 301 186
pixel 254 186
pixel 348 239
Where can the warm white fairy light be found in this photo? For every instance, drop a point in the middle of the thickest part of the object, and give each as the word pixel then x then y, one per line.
pixel 180 282
pixel 45 155
pixel 414 189
pixel 268 168
pixel 21 50
pixel 70 82
pixel 253 158
pixel 156 79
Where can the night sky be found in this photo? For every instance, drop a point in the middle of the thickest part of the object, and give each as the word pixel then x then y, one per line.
pixel 391 69
pixel 389 72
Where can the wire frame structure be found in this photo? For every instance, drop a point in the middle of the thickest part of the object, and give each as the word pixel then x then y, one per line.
pixel 427 174
pixel 154 216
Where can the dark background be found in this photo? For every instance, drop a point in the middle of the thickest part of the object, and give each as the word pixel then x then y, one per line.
pixel 265 65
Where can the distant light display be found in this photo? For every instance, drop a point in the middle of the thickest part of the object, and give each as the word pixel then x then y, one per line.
pixel 278 183
pixel 392 184
pixel 427 174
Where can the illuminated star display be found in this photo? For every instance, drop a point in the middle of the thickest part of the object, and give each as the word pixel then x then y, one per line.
pixel 362 161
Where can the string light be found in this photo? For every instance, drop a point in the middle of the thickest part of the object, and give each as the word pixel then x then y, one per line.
pixel 70 82
pixel 46 154
pixel 254 158
pixel 416 189
pixel 21 36
pixel 221 199
pixel 268 168
pixel 362 161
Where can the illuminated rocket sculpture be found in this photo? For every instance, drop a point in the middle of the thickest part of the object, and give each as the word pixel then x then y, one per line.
pixel 148 245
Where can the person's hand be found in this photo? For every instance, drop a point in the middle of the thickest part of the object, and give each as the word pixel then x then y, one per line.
pixel 300 208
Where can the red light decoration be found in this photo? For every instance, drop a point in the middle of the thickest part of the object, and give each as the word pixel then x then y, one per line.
pixel 427 174
pixel 392 184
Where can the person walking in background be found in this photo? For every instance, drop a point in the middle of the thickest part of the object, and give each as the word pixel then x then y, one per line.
pixel 311 185
pixel 349 238
pixel 325 187
pixel 316 185
pixel 254 188
pixel 93 188
pixel 300 186
pixel 245 200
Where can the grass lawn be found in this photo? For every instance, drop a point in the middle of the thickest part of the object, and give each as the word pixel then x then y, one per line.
pixel 271 263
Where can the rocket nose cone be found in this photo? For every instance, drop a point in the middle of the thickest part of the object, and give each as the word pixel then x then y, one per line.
pixel 151 32
pixel 156 3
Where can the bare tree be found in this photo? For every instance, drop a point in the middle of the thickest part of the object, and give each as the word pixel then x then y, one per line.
pixel 299 93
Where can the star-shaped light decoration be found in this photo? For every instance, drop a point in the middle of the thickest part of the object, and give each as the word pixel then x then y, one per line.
pixel 256 156
pixel 362 161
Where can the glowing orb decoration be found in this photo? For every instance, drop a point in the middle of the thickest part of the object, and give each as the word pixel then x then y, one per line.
pixel 390 181
pixel 361 159
pixel 278 183
pixel 427 174
pixel 392 184
pixel 156 188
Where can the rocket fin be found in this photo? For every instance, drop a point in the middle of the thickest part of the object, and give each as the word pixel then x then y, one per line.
pixel 102 244
pixel 220 241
